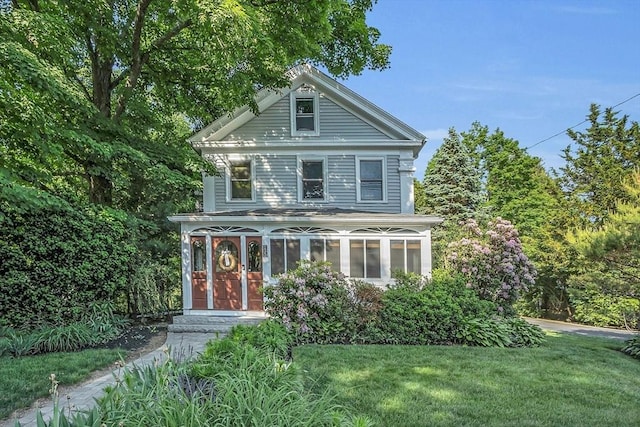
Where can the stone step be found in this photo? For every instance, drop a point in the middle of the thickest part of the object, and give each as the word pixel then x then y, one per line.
pixel 220 325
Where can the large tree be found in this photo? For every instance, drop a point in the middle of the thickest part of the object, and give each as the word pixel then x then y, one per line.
pixel 519 189
pixel 124 73
pixel 597 163
pixel 97 98
pixel 607 289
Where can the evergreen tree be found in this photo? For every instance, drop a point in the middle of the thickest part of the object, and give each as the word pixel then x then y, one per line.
pixel 419 197
pixel 603 155
pixel 451 183
pixel 607 289
pixel 451 189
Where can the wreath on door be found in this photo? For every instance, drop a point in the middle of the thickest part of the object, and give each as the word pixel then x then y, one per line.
pixel 227 261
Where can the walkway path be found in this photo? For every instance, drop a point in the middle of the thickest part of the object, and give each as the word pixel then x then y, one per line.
pixel 82 397
pixel 575 328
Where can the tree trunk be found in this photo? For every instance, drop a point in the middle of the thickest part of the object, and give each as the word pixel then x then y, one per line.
pixel 100 190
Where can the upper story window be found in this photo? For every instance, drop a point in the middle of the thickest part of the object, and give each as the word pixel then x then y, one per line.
pixel 304 114
pixel 371 179
pixel 312 179
pixel 240 180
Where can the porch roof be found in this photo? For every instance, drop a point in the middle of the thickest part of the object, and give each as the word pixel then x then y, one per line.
pixel 308 215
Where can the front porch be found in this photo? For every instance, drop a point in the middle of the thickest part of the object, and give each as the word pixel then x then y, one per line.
pixel 227 257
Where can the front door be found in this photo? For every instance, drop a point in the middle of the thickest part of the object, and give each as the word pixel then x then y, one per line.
pixel 254 273
pixel 227 273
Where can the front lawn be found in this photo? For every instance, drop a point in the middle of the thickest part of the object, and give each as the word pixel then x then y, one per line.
pixel 569 381
pixel 25 379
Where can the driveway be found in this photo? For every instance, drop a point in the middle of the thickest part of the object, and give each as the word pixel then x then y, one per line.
pixel 575 328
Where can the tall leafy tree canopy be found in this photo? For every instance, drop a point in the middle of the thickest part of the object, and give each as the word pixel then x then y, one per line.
pixel 518 188
pixel 104 92
pixel 97 98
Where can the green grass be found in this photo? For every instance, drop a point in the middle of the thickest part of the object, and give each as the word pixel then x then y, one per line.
pixel 569 381
pixel 25 379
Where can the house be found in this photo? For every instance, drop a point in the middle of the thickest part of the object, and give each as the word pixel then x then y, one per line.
pixel 320 174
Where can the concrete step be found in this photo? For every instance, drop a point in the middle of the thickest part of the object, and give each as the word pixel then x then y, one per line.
pixel 220 325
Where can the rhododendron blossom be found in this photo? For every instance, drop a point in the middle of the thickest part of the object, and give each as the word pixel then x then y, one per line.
pixel 493 262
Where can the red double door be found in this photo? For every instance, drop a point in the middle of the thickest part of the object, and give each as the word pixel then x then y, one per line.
pixel 230 268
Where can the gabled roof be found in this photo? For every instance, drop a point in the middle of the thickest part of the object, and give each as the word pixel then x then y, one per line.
pixel 309 75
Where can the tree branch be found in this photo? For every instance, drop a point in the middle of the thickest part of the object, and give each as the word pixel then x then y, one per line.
pixel 86 92
pixel 139 58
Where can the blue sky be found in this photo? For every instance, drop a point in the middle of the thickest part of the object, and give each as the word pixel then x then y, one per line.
pixel 530 68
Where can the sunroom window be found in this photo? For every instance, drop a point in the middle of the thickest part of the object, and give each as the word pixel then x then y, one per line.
pixel 285 254
pixel 326 250
pixel 364 258
pixel 406 256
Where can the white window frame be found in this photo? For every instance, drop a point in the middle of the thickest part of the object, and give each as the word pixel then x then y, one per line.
pixel 285 258
pixel 325 174
pixel 405 253
pixel 381 259
pixel 384 178
pixel 316 116
pixel 252 165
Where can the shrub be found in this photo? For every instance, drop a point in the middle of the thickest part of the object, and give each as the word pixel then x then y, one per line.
pixel 155 287
pixel 57 258
pixel 593 307
pixel 320 305
pixel 493 262
pixel 428 315
pixel 632 347
pixel 270 336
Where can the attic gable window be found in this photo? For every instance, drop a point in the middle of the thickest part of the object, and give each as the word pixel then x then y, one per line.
pixel 304 114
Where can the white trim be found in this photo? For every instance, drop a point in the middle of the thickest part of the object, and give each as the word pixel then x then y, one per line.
pixel 252 164
pixel 383 159
pixel 325 174
pixel 293 97
pixel 243 272
pixel 187 299
pixel 209 253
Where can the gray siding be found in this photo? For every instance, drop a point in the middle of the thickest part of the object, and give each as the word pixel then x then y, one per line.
pixel 276 185
pixel 274 124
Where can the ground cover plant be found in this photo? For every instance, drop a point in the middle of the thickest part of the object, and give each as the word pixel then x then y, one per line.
pixel 243 380
pixel 25 379
pixel 97 326
pixel 632 347
pixel 568 380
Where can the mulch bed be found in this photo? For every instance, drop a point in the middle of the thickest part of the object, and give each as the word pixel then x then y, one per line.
pixel 140 338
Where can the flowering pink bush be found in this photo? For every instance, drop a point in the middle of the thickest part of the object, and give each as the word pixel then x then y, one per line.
pixel 493 262
pixel 320 305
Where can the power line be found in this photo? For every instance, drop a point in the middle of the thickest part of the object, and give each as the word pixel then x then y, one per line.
pixel 582 122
